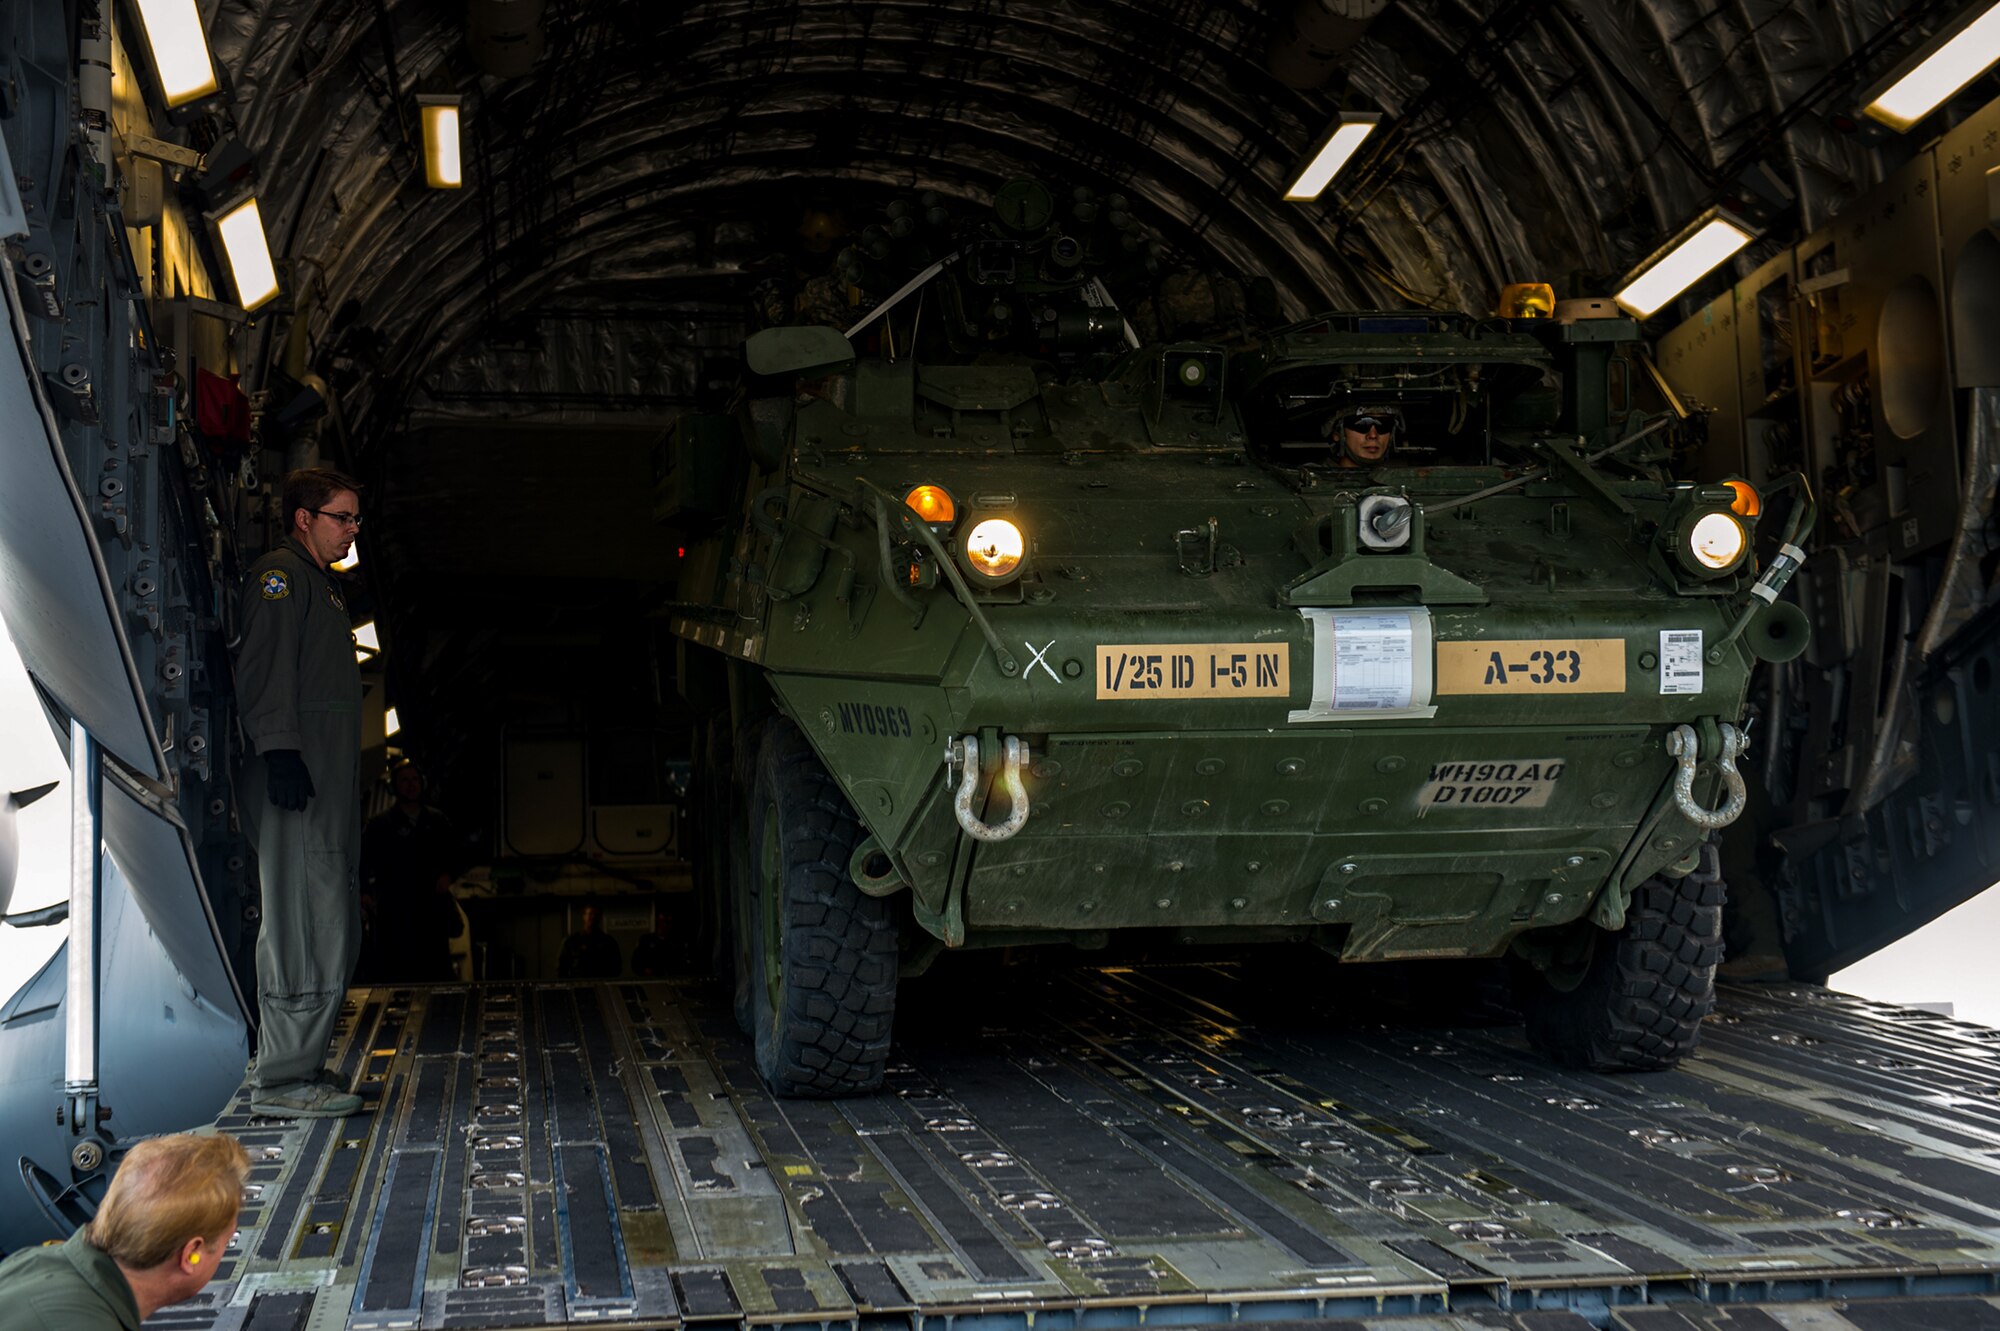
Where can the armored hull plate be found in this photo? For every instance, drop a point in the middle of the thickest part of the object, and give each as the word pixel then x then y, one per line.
pixel 1108 1146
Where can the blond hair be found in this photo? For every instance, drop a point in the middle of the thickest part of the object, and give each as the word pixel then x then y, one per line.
pixel 166 1191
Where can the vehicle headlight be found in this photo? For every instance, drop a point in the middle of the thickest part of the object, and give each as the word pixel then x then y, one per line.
pixel 1716 542
pixel 994 549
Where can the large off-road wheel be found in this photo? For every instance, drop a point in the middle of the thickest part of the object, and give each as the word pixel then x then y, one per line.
pixel 823 954
pixel 710 799
pixel 1641 999
pixel 739 874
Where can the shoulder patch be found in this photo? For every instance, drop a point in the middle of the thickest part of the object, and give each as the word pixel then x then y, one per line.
pixel 275 585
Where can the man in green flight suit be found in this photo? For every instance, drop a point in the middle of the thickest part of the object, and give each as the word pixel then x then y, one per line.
pixel 300 694
pixel 162 1230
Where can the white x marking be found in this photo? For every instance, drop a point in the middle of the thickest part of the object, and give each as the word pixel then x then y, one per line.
pixel 1040 652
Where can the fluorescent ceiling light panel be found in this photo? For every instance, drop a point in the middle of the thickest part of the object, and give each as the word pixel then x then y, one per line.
pixel 366 636
pixel 1680 267
pixel 390 725
pixel 442 167
pixel 1942 66
pixel 1340 145
pixel 349 564
pixel 180 49
pixel 248 254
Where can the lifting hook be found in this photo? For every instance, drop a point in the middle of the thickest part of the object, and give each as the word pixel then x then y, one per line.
pixel 962 756
pixel 1682 744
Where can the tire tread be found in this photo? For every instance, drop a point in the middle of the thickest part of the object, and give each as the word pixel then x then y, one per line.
pixel 830 1031
pixel 1641 1003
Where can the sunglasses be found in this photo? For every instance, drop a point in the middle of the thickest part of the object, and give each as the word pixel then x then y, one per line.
pixel 1363 424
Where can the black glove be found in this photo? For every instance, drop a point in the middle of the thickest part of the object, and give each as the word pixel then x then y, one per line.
pixel 290 784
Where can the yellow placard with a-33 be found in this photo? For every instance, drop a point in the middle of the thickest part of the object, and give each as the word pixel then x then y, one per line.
pixel 1514 666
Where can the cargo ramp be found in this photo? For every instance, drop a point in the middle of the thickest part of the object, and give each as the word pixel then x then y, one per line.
pixel 1104 1147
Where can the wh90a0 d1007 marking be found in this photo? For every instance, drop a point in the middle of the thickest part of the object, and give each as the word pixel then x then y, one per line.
pixel 1517 783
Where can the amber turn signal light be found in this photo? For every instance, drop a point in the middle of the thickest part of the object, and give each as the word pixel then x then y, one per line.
pixel 1527 300
pixel 1747 503
pixel 932 503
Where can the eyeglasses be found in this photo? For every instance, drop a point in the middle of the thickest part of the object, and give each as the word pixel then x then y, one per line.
pixel 348 520
pixel 1363 424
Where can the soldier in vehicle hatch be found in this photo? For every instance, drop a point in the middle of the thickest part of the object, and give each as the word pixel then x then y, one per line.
pixel 1364 437
pixel 301 696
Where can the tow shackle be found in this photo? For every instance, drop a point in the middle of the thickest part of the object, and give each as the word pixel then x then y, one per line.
pixel 962 756
pixel 1684 746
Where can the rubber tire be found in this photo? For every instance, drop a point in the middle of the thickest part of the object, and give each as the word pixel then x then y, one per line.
pixel 822 1024
pixel 1641 1002
pixel 711 799
pixel 738 874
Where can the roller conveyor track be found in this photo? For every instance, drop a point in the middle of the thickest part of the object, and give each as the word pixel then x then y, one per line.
pixel 1109 1146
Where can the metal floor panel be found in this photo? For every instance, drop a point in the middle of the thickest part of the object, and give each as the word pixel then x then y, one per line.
pixel 1174 1145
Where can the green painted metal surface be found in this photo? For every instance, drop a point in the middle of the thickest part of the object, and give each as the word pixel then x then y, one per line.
pixel 1248 713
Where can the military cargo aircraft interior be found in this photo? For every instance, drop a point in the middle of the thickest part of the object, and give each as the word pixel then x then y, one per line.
pixel 1082 662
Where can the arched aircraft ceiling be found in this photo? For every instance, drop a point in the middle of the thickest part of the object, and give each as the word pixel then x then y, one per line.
pixel 635 162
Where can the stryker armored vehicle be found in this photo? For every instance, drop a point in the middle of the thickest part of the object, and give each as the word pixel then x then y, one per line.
pixel 1012 631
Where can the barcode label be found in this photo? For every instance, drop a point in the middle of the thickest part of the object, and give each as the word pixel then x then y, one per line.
pixel 1680 660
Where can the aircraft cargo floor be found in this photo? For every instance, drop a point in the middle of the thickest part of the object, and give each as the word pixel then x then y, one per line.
pixel 1103 1147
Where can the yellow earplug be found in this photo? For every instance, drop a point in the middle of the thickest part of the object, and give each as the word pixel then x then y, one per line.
pixel 194 1259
